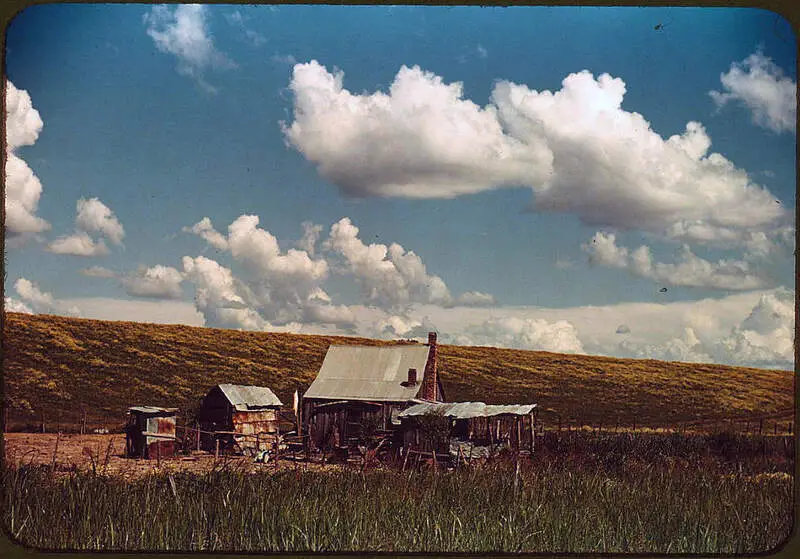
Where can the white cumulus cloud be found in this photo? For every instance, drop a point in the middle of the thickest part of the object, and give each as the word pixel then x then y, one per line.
pixel 156 282
pixel 23 188
pixel 689 270
pixel 761 86
pixel 36 301
pixel 311 235
pixel 560 336
pixel 389 276
pixel 205 229
pixel 98 272
pixel 217 295
pixel 577 149
pixel 92 217
pixel 15 305
pixel 183 32
pixel 78 244
pixel 766 337
pixel 95 217
pixel 420 140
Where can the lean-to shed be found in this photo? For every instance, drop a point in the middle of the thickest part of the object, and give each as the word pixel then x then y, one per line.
pixel 150 432
pixel 242 418
pixel 446 425
pixel 360 389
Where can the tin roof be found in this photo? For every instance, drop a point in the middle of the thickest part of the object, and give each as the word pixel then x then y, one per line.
pixel 467 410
pixel 369 373
pixel 244 398
pixel 152 410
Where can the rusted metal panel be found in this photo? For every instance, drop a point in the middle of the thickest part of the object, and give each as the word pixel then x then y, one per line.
pixel 255 430
pixel 150 432
pixel 160 449
pixel 250 423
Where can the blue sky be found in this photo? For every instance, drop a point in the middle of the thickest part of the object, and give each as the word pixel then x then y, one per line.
pixel 519 219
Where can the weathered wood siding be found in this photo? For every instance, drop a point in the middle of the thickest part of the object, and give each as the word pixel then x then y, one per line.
pixel 330 425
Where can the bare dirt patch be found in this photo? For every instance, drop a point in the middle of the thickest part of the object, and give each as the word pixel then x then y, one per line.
pixel 104 454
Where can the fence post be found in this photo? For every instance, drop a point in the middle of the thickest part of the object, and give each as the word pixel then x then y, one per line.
pixel 197 433
pixel 760 425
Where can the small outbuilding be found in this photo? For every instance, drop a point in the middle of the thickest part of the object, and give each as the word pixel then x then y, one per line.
pixel 242 418
pixel 468 427
pixel 150 432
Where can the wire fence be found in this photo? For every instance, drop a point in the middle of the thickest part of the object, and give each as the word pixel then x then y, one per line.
pixel 775 423
pixel 781 422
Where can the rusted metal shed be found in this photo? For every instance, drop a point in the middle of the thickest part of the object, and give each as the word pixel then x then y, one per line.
pixel 243 418
pixel 468 425
pixel 360 389
pixel 150 432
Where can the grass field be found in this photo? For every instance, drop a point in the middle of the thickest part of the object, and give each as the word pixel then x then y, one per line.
pixel 581 492
pixel 57 367
pixel 651 509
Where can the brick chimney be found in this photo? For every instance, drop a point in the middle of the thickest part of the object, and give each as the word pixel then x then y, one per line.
pixel 429 390
pixel 412 377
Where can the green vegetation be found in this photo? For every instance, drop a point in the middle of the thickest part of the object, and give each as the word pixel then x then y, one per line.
pixel 58 367
pixel 645 509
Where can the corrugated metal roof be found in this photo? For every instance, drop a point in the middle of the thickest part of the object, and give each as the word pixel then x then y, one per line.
pixel 244 398
pixel 369 373
pixel 151 410
pixel 467 410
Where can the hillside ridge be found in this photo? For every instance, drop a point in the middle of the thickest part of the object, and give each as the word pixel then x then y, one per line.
pixel 61 367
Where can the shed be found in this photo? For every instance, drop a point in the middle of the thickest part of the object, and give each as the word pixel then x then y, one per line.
pixel 360 389
pixel 475 423
pixel 150 432
pixel 243 418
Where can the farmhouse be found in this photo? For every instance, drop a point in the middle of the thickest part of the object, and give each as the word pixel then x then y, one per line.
pixel 150 432
pixel 239 418
pixel 360 389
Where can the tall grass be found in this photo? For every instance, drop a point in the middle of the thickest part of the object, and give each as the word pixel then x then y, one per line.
pixel 472 510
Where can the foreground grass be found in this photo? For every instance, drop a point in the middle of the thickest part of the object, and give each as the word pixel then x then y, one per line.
pixel 646 510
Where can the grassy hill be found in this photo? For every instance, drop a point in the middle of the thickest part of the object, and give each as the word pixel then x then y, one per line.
pixel 60 366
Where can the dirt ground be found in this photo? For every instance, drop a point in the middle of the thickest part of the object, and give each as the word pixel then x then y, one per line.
pixel 106 452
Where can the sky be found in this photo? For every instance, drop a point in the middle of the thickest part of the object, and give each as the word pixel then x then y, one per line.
pixel 607 181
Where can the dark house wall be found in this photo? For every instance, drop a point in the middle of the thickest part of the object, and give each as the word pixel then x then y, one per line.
pixel 215 414
pixel 327 424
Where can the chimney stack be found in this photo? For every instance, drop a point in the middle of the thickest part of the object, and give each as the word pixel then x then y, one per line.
pixel 430 385
pixel 412 377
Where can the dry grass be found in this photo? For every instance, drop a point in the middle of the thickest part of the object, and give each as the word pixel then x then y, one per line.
pixel 546 509
pixel 61 366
